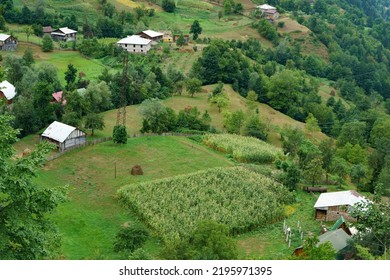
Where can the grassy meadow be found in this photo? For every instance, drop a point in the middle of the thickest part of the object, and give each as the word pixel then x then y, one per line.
pixel 91 218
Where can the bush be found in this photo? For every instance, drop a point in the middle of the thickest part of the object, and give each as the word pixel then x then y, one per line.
pixel 119 135
pixel 131 237
pixel 168 6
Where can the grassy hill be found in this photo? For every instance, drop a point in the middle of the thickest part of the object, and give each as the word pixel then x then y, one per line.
pixel 91 218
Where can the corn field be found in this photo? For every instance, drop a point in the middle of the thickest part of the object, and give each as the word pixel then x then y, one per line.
pixel 235 196
pixel 243 149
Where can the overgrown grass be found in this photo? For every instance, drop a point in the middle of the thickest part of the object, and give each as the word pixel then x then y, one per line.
pixel 89 221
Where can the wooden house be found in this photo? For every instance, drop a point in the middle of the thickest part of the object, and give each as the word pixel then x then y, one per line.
pixel 135 44
pixel 8 42
pixel 268 12
pixel 63 135
pixel 7 91
pixel 64 34
pixel 152 35
pixel 331 206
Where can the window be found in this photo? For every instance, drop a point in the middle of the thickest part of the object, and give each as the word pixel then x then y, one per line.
pixel 133 46
pixel 141 46
pixel 125 45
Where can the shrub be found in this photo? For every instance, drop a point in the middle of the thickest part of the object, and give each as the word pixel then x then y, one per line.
pixel 131 237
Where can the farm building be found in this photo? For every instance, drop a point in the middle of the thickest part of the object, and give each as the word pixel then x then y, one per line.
pixel 269 12
pixel 338 238
pixel 47 30
pixel 63 135
pixel 331 206
pixel 7 91
pixel 64 34
pixel 152 35
pixel 8 42
pixel 135 44
pixel 167 37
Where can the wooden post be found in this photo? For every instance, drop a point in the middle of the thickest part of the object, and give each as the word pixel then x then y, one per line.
pixel 115 170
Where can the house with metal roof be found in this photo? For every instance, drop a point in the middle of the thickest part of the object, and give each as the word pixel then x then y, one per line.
pixel 135 44
pixel 331 206
pixel 151 35
pixel 338 238
pixel 8 42
pixel 64 34
pixel 268 11
pixel 63 135
pixel 7 91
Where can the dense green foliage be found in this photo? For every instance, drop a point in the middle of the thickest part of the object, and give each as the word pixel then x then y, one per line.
pixel 171 206
pixel 208 241
pixel 25 231
pixel 130 237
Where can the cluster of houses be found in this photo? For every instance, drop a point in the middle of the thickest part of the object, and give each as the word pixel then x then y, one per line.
pixel 64 34
pixel 336 207
pixel 143 41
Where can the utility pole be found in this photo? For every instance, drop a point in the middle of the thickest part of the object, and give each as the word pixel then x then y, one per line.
pixel 121 114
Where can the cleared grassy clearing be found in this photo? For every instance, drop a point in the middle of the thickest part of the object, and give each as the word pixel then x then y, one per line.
pixel 89 221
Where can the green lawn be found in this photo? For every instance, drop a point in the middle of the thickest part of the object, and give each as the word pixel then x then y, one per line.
pixel 89 221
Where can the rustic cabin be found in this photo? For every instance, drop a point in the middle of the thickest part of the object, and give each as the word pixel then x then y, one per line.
pixel 152 35
pixel 269 12
pixel 331 206
pixel 64 34
pixel 63 135
pixel 8 42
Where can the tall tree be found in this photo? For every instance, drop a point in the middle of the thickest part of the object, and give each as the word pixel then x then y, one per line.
pixel 70 77
pixel 94 121
pixel 25 231
pixel 47 43
pixel 195 30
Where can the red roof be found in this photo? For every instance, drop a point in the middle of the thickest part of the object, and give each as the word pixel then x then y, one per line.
pixel 58 97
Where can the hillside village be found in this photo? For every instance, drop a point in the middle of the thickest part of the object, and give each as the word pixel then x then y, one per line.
pixel 146 129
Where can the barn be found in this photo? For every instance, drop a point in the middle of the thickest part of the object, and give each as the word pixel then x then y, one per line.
pixel 7 91
pixel 63 135
pixel 331 206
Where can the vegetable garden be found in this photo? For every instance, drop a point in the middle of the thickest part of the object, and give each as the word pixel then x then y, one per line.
pixel 235 196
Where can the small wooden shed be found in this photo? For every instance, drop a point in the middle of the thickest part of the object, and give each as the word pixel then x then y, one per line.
pixel 63 135
pixel 8 42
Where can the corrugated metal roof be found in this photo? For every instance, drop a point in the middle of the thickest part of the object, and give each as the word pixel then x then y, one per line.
pixel 4 37
pixel 152 33
pixel 338 223
pixel 63 30
pixel 338 238
pixel 8 89
pixel 339 198
pixel 266 7
pixel 58 131
pixel 134 40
